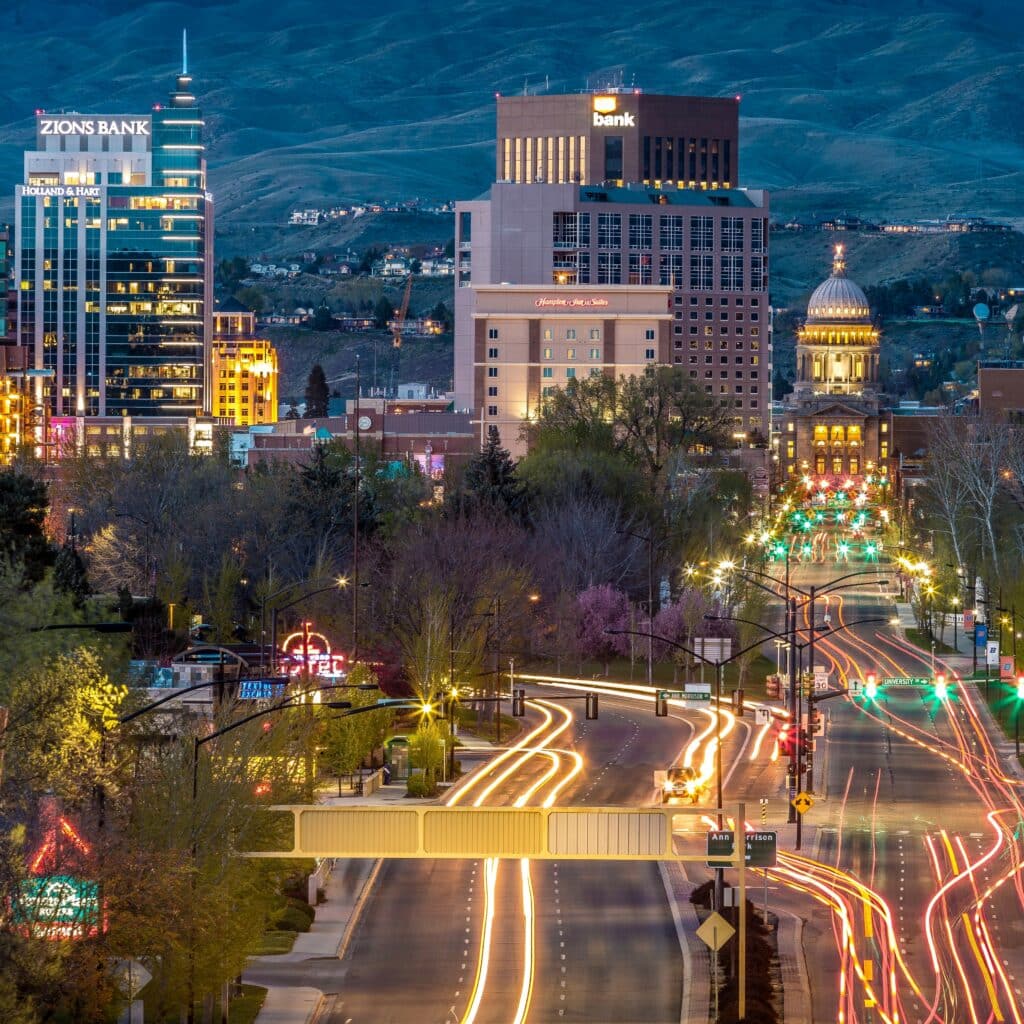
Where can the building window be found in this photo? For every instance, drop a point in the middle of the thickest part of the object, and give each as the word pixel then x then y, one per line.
pixel 492 353
pixel 595 333
pixel 757 235
pixel 492 410
pixel 547 392
pixel 596 371
pixel 570 353
pixel 492 332
pixel 732 234
pixel 595 353
pixel 757 276
pixel 547 353
pixel 492 392
pixel 609 231
pixel 613 157
pixel 549 334
pixel 492 371
pixel 648 353
pixel 670 231
pixel 570 372
pixel 702 234
pixel 640 267
pixel 547 371
pixel 609 267
pixel 640 231
pixel 732 273
pixel 701 272
pixel 670 268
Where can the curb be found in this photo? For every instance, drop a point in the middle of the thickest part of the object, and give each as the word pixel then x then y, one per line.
pixel 696 989
pixel 796 999
pixel 357 909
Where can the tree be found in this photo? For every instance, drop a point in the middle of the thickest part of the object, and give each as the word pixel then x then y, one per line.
pixel 347 741
pixel 70 576
pixel 252 298
pixel 490 482
pixel 23 505
pixel 323 319
pixel 426 751
pixel 383 312
pixel 317 392
pixel 600 609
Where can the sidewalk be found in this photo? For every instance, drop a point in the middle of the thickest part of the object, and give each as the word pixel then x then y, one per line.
pixel 346 891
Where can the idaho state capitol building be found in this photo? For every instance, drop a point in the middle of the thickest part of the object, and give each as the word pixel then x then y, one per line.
pixel 615 238
pixel 833 423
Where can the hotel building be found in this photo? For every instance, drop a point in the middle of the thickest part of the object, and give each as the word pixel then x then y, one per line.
pixel 113 271
pixel 243 388
pixel 614 257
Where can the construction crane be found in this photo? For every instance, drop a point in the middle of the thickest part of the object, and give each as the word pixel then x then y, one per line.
pixel 397 327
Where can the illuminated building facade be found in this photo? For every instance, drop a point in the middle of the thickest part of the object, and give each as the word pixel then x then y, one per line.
pixel 243 370
pixel 832 424
pixel 13 403
pixel 113 267
pixel 630 219
pixel 619 135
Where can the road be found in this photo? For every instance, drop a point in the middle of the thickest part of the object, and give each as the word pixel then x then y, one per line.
pixel 604 940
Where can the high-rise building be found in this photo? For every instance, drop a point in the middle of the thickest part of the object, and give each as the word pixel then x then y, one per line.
pixel 14 406
pixel 243 377
pixel 113 261
pixel 600 210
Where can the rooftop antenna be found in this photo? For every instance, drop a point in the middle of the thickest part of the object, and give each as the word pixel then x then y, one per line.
pixel 526 82
pixel 184 51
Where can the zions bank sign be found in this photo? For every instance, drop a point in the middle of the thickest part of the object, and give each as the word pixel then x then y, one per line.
pixel 606 114
pixel 102 126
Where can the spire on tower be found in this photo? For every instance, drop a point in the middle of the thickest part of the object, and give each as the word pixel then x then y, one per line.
pixel 838 262
pixel 184 51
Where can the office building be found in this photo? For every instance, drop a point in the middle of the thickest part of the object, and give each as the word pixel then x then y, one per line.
pixel 113 261
pixel 833 425
pixel 243 375
pixel 629 233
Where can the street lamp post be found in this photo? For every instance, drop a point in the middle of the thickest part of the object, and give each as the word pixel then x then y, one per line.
pixel 648 539
pixel 339 584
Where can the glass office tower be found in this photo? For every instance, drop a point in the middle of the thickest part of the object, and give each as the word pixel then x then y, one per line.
pixel 113 251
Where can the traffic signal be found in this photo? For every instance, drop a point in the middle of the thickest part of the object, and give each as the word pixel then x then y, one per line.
pixel 871 686
pixel 660 706
pixel 519 703
pixel 1020 687
pixel 787 740
pixel 815 724
pixel 591 706
pixel 941 690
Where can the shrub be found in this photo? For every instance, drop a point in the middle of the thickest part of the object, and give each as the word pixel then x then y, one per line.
pixel 290 919
pixel 416 786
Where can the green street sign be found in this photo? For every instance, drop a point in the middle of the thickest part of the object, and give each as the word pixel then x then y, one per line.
pixel 761 849
pixel 684 694
pixel 905 681
pixel 57 907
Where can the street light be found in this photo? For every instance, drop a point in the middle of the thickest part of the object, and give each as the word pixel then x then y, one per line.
pixel 1016 715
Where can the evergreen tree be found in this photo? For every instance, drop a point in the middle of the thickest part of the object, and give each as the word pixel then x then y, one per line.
pixel 317 392
pixel 323 319
pixel 383 312
pixel 23 504
pixel 69 575
pixel 491 481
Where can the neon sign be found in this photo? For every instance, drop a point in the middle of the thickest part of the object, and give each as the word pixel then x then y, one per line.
pixel 94 126
pixel 311 652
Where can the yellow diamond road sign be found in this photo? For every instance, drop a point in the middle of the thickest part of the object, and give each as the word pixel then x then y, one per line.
pixel 803 802
pixel 715 932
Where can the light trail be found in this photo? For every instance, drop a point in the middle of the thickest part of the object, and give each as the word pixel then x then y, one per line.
pixel 484 954
pixel 529 928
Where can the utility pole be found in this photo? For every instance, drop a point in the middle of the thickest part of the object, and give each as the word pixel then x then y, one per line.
pixel 355 532
pixel 791 625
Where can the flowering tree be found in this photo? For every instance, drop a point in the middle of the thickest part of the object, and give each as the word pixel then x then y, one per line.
pixel 601 608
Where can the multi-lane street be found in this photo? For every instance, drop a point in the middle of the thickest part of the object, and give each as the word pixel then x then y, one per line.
pixel 908 879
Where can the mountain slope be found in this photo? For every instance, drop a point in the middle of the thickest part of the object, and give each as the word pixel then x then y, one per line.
pixel 872 106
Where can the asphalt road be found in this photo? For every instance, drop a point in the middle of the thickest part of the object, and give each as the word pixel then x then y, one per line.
pixel 606 946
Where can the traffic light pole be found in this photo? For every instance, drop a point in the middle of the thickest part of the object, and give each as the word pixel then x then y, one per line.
pixel 791 615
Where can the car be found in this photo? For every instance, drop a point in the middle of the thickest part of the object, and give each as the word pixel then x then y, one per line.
pixel 682 782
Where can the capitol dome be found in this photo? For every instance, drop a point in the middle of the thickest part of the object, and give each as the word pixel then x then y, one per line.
pixel 837 298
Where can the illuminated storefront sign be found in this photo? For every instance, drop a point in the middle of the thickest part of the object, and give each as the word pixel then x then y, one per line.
pixel 613 120
pixel 94 126
pixel 58 907
pixel 308 652
pixel 61 191
pixel 571 302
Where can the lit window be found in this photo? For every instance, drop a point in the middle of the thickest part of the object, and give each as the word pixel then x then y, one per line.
pixel 547 353
pixel 549 334
pixel 595 353
pixel 570 353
